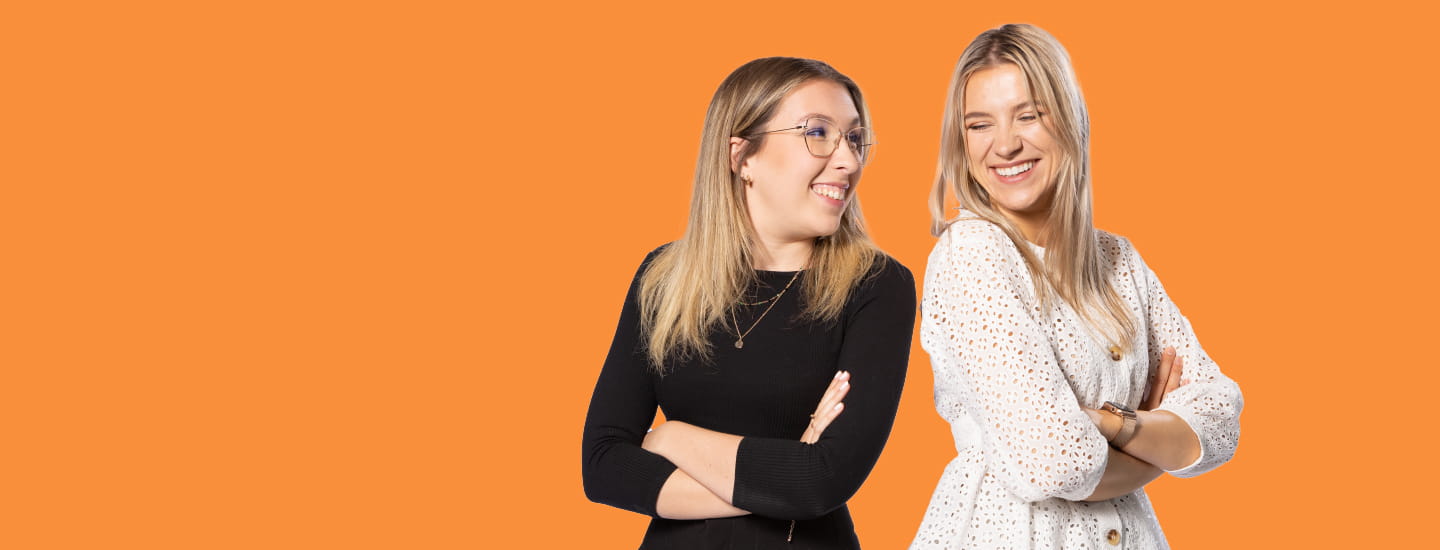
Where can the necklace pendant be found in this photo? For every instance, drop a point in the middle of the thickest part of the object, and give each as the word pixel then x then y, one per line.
pixel 739 344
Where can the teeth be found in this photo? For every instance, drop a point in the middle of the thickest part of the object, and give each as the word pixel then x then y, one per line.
pixel 829 191
pixel 1013 170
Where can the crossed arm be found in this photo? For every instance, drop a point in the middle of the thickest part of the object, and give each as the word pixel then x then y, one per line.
pixel 1162 440
pixel 680 470
pixel 982 329
pixel 698 453
pixel 701 454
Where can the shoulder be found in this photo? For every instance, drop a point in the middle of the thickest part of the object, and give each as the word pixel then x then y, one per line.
pixel 975 243
pixel 886 275
pixel 651 256
pixel 887 267
pixel 1119 250
pixel 1113 244
pixel 974 232
pixel 649 261
pixel 888 286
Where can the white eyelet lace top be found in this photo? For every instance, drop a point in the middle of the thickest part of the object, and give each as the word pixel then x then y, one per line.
pixel 1011 380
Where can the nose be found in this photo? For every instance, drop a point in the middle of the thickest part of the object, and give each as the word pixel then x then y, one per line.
pixel 1007 141
pixel 844 157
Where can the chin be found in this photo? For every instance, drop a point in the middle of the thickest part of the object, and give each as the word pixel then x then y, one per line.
pixel 1017 202
pixel 827 230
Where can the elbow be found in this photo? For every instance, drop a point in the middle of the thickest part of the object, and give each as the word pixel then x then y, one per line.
pixel 593 490
pixel 599 487
pixel 625 494
pixel 1074 480
pixel 1215 450
pixel 791 480
pixel 1076 488
pixel 822 503
pixel 813 505
pixel 809 500
pixel 811 513
pixel 590 479
pixel 1215 424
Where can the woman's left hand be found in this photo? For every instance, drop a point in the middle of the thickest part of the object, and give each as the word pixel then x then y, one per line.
pixel 1166 378
pixel 831 404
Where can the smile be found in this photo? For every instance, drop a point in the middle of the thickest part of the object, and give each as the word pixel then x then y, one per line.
pixel 829 190
pixel 1015 170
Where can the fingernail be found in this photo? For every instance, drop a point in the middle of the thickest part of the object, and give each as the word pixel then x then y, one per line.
pixel 839 406
pixel 844 385
pixel 838 373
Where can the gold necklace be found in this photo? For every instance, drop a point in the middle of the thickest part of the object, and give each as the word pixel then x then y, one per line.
pixel 740 336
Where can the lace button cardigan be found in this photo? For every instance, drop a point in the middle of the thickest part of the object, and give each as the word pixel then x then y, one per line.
pixel 1011 380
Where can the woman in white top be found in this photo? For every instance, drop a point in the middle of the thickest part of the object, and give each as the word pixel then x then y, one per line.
pixel 1069 378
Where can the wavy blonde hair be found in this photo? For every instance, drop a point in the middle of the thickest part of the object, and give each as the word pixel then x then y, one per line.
pixel 1074 268
pixel 695 281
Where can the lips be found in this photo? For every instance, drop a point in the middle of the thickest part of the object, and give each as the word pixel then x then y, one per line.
pixel 832 191
pixel 1015 170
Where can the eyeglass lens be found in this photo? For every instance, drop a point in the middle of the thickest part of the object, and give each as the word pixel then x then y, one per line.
pixel 822 138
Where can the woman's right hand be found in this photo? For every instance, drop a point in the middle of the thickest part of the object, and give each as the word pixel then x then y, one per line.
pixel 1166 379
pixel 831 404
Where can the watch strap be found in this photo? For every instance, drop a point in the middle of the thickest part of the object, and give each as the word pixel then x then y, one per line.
pixel 1127 430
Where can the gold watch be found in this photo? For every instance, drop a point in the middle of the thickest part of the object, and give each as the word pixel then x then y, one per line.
pixel 1128 422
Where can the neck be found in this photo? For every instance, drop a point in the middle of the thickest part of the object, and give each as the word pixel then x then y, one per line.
pixel 780 255
pixel 1030 224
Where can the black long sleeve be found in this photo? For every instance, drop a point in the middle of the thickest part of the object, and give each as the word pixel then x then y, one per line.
pixel 765 393
pixel 616 470
pixel 784 478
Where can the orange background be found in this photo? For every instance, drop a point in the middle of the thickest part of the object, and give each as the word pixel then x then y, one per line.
pixel 342 276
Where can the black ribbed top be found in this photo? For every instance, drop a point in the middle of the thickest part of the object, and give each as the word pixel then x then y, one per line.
pixel 764 392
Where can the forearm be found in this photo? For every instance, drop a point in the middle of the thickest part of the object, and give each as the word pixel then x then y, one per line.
pixel 684 498
pixel 1161 437
pixel 706 456
pixel 1124 474
pixel 1164 440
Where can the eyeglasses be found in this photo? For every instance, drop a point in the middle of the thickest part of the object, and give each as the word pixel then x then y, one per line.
pixel 822 138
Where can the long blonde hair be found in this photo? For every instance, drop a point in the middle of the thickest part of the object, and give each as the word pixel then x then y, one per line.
pixel 691 285
pixel 1074 267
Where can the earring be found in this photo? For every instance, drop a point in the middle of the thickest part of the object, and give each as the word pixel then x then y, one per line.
pixel 746 178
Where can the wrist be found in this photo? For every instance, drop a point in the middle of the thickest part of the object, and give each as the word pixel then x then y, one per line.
pixel 1109 425
pixel 1129 423
pixel 1104 423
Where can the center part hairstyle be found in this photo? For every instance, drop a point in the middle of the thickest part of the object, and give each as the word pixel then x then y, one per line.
pixel 692 284
pixel 1074 267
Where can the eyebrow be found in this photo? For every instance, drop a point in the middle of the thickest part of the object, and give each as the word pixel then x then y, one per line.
pixel 808 116
pixel 1020 107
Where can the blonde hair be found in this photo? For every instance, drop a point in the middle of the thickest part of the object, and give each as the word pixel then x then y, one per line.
pixel 1074 268
pixel 692 284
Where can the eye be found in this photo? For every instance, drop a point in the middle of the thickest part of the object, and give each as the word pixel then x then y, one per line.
pixel 979 126
pixel 817 131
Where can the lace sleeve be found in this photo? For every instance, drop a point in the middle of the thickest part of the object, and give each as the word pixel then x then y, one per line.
pixel 1210 402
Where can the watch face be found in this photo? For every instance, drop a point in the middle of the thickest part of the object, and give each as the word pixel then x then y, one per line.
pixel 1118 408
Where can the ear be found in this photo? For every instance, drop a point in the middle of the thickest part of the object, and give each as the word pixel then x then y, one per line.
pixel 737 149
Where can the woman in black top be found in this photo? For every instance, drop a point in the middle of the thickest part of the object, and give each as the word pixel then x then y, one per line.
pixel 775 299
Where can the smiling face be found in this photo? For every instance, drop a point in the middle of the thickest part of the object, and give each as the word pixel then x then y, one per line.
pixel 1010 148
pixel 793 195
